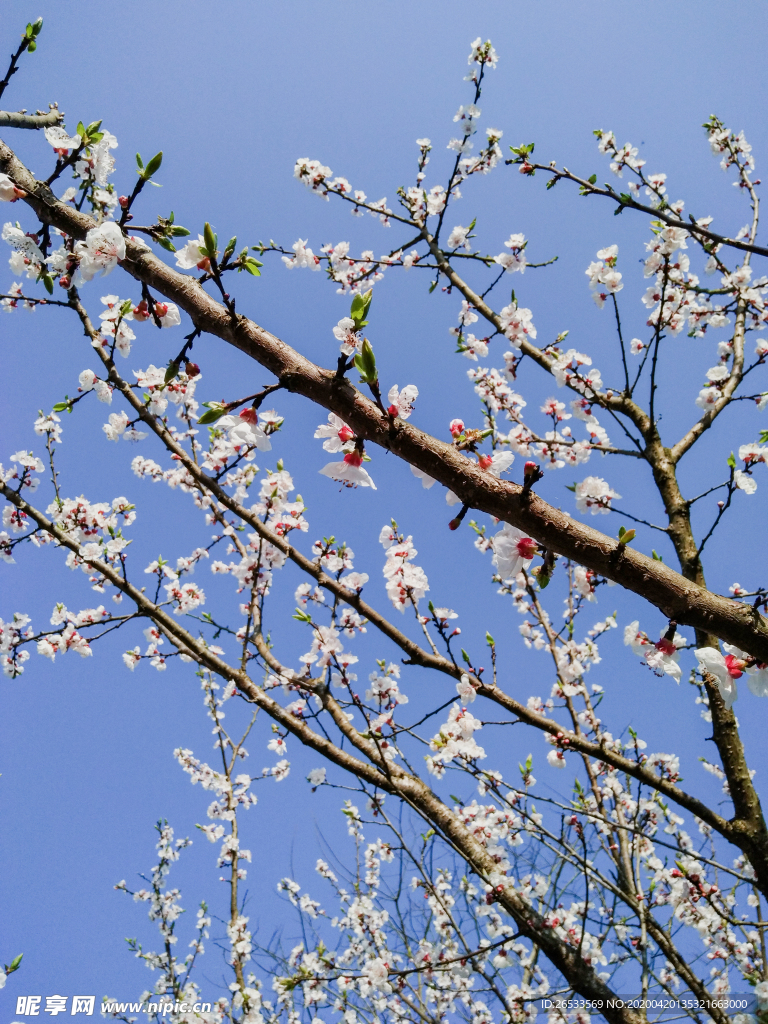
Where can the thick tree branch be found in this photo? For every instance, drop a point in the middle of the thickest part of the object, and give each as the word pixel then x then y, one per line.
pixel 675 596
pixel 8 119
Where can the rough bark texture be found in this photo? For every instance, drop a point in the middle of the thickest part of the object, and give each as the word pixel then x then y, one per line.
pixel 678 598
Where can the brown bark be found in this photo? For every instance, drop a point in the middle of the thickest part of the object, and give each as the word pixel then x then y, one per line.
pixel 676 597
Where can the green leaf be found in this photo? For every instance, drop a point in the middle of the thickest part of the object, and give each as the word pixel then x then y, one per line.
pixel 153 166
pixel 731 461
pixel 656 557
pixel 16 962
pixel 618 210
pixel 139 162
pixel 359 309
pixel 215 411
pixel 61 407
pixel 552 182
pixel 48 283
pixel 592 179
pixel 571 487
pixel 230 246
pixel 489 639
pixel 32 47
pixel 432 286
pixel 170 373
pixel 252 266
pixel 465 656
pixel 301 616
pixel 365 361
pixel 626 536
pixel 177 231
pixel 92 128
pixel 166 243
pixel 210 239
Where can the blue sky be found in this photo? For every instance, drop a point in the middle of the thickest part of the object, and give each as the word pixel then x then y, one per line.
pixel 233 95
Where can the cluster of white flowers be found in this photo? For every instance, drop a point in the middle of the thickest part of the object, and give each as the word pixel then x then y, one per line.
pixel 406 583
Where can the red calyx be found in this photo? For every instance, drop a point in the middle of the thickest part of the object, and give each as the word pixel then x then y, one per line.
pixel 735 666
pixel 665 646
pixel 526 547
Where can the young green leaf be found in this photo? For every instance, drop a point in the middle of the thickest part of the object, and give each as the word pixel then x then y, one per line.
pixel 215 411
pixel 153 166
pixel 210 239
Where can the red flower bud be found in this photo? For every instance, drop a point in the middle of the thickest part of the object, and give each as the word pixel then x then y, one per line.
pixel 123 200
pixel 65 281
pixel 192 369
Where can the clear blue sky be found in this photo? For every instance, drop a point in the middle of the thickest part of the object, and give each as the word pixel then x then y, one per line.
pixel 233 94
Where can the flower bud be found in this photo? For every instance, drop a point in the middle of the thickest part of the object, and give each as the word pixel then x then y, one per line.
pixel 192 370
pixel 65 281
pixel 456 427
pixel 123 200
